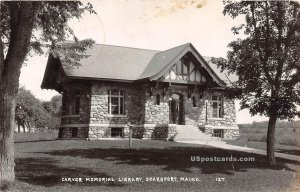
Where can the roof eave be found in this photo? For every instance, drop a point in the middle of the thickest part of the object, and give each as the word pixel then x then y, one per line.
pixel 160 73
pixel 100 79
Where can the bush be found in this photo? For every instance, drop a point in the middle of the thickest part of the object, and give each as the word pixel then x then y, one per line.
pixel 258 137
pixel 289 140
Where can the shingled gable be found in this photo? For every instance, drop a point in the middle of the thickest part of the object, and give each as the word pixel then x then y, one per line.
pixel 107 62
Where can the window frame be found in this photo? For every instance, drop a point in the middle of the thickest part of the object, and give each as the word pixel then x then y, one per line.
pixel 120 102
pixel 117 132
pixel 76 103
pixel 180 70
pixel 74 132
pixel 219 102
pixel 218 133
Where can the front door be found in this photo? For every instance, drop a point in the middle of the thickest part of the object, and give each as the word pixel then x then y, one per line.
pixel 176 109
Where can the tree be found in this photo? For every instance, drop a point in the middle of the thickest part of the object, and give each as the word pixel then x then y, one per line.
pixel 53 107
pixel 267 60
pixel 25 106
pixel 30 111
pixel 27 26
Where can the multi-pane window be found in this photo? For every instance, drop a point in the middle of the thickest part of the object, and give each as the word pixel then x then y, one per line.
pixel 116 132
pixel 179 68
pixel 218 133
pixel 182 68
pixel 216 106
pixel 115 102
pixel 76 107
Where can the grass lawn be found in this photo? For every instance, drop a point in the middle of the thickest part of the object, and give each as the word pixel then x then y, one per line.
pixel 288 149
pixel 35 136
pixel 40 166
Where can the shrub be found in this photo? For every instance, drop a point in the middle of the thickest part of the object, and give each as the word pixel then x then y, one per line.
pixel 258 137
pixel 288 139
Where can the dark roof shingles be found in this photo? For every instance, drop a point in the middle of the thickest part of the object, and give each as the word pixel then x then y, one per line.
pixel 125 63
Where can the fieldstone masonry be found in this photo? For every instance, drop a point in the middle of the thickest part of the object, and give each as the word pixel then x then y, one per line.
pixel 149 119
pixel 228 121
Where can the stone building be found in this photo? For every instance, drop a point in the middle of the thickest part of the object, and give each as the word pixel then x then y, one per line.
pixel 152 90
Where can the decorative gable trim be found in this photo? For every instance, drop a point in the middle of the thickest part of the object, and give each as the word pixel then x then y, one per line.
pixel 203 65
pixel 185 71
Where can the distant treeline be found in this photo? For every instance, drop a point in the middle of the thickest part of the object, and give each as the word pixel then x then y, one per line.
pixel 279 124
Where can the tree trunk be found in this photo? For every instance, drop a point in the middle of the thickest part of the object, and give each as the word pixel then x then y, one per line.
pixel 22 16
pixel 19 127
pixel 271 139
pixel 24 130
pixel 7 120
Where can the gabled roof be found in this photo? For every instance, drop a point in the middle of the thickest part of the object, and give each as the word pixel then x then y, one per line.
pixel 161 60
pixel 130 64
pixel 112 62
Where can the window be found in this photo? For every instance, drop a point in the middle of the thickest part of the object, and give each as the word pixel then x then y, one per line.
pixel 157 99
pixel 116 132
pixel 218 133
pixel 194 101
pixel 216 106
pixel 182 68
pixel 74 132
pixel 76 108
pixel 116 102
pixel 60 133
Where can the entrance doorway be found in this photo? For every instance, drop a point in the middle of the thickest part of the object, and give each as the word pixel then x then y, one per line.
pixel 176 109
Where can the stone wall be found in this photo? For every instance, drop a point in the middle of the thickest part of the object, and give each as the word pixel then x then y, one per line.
pixel 150 131
pixel 195 115
pixel 154 113
pixel 68 103
pixel 82 132
pixel 134 103
pixel 150 119
pixel 231 133
pixel 229 112
pixel 143 131
pixel 96 132
pixel 70 120
pixel 227 122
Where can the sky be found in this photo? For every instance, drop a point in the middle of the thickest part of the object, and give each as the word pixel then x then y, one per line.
pixel 148 24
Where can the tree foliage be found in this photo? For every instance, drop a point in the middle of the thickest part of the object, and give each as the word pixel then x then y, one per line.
pixel 53 107
pixel 26 27
pixel 50 28
pixel 267 61
pixel 33 113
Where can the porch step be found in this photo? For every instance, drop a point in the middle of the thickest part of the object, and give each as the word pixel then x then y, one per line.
pixel 192 133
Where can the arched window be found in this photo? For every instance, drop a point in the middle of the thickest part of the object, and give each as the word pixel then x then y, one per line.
pixel 157 99
pixel 194 101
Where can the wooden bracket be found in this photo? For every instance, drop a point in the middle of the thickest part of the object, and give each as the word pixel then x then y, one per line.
pixel 165 89
pixel 151 91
